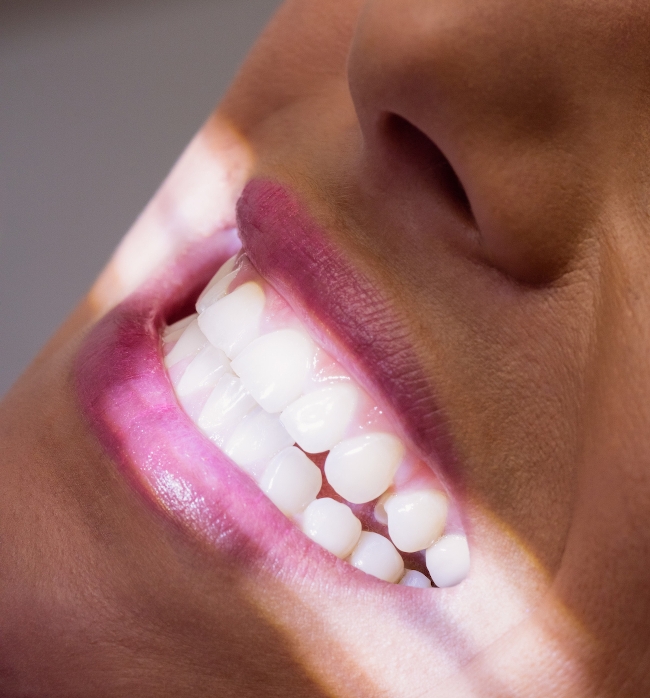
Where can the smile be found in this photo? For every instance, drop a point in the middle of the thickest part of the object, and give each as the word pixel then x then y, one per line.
pixel 254 404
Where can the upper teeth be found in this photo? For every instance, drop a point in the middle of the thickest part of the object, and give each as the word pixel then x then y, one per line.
pixel 254 382
pixel 274 367
pixel 318 420
pixel 233 321
pixel 362 468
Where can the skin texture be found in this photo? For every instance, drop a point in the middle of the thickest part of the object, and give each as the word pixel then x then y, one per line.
pixel 485 164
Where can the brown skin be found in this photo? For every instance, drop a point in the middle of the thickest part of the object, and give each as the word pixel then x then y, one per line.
pixel 528 301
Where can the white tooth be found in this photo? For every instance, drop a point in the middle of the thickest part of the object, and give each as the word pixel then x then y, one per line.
pixel 291 481
pixel 416 519
pixel 319 420
pixel 413 578
pixel 258 437
pixel 224 409
pixel 362 468
pixel 448 560
pixel 175 330
pixel 189 344
pixel 377 556
pixel 203 372
pixel 214 292
pixel 332 525
pixel 225 269
pixel 274 367
pixel 233 321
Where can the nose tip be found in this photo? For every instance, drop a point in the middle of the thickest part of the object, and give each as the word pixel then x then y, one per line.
pixel 511 96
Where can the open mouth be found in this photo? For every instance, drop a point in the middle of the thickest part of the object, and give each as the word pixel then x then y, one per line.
pixel 259 409
pixel 324 452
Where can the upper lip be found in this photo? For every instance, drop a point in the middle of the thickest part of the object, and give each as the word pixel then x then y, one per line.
pixel 126 395
pixel 345 312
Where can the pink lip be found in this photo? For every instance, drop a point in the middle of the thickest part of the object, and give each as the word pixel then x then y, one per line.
pixel 126 395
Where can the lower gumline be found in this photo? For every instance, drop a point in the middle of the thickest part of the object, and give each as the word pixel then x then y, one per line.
pixel 365 512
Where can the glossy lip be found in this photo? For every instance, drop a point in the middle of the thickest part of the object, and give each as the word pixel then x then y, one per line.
pixel 126 395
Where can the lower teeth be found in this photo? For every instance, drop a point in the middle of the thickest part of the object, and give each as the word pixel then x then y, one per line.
pixel 253 381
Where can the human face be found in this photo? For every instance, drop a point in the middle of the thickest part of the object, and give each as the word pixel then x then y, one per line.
pixel 451 197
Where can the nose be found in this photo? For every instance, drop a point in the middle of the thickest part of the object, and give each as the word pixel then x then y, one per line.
pixel 512 112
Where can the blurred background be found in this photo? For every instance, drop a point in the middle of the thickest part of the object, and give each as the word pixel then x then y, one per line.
pixel 97 100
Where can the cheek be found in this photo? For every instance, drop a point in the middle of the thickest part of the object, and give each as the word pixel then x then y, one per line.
pixel 508 363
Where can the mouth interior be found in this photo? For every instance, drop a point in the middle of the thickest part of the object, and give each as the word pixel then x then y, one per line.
pixel 328 455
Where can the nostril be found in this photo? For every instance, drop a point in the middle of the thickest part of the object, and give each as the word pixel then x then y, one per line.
pixel 411 145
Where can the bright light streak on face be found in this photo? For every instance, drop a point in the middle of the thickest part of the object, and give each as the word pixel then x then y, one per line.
pixel 196 200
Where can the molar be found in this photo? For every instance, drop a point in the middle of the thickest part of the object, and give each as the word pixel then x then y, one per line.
pixel 291 481
pixel 362 468
pixel 332 525
pixel 274 367
pixel 376 555
pixel 319 419
pixel 416 519
pixel 233 321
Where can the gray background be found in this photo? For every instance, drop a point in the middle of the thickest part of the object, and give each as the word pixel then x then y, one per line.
pixel 97 100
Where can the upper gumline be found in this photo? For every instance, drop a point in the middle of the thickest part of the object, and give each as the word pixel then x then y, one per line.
pixel 304 265
pixel 174 308
pixel 334 349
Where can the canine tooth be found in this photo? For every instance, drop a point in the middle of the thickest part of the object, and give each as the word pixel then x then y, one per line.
pixel 203 372
pixel 318 420
pixel 291 481
pixel 189 344
pixel 413 578
pixel 332 525
pixel 175 330
pixel 233 321
pixel 258 437
pixel 377 556
pixel 273 368
pixel 448 560
pixel 227 405
pixel 362 468
pixel 416 519
pixel 224 270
